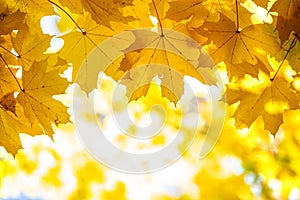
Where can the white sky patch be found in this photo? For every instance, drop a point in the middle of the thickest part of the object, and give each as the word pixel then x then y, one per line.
pixel 294 194
pixel 48 25
pixel 19 73
pixel 55 45
pixel 231 165
pixel 13 51
pixel 254 187
pixel 275 185
pixel 154 21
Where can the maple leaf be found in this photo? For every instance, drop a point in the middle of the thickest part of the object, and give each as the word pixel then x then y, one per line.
pixel 55 62
pixel 176 55
pixel 8 102
pixel 158 8
pixel 10 21
pixel 261 3
pixel 7 57
pixel 266 97
pixel 138 81
pixel 35 10
pixel 139 10
pixel 288 18
pixel 30 48
pixel 181 10
pixel 36 97
pixel 235 46
pixel 75 6
pixel 103 11
pixel 8 80
pixel 200 10
pixel 240 70
pixel 11 125
pixel 79 43
pixel 12 118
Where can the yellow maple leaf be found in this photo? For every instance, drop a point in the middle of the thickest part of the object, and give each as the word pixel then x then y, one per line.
pixel 158 8
pixel 11 125
pixel 266 97
pixel 198 11
pixel 261 3
pixel 169 56
pixel 9 20
pixel 7 57
pixel 182 10
pixel 235 46
pixel 35 10
pixel 7 80
pixel 103 11
pixel 243 69
pixel 12 118
pixel 139 10
pixel 288 19
pixel 29 47
pixel 74 6
pixel 8 102
pixel 36 96
pixel 79 43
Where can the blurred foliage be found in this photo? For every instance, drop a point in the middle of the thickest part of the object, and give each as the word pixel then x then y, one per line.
pixel 244 164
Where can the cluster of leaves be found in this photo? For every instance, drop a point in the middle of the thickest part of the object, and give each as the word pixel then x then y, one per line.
pixel 28 77
pixel 261 57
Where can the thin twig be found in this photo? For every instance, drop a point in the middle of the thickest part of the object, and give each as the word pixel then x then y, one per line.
pixel 58 6
pixel 17 56
pixel 237 16
pixel 288 51
pixel 158 18
pixel 12 73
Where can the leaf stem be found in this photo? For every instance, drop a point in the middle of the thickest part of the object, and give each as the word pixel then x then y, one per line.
pixel 58 6
pixel 237 16
pixel 287 53
pixel 20 87
pixel 295 34
pixel 158 18
pixel 17 56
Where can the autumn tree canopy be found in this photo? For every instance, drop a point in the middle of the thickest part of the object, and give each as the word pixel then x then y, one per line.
pixel 251 45
pixel 256 41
